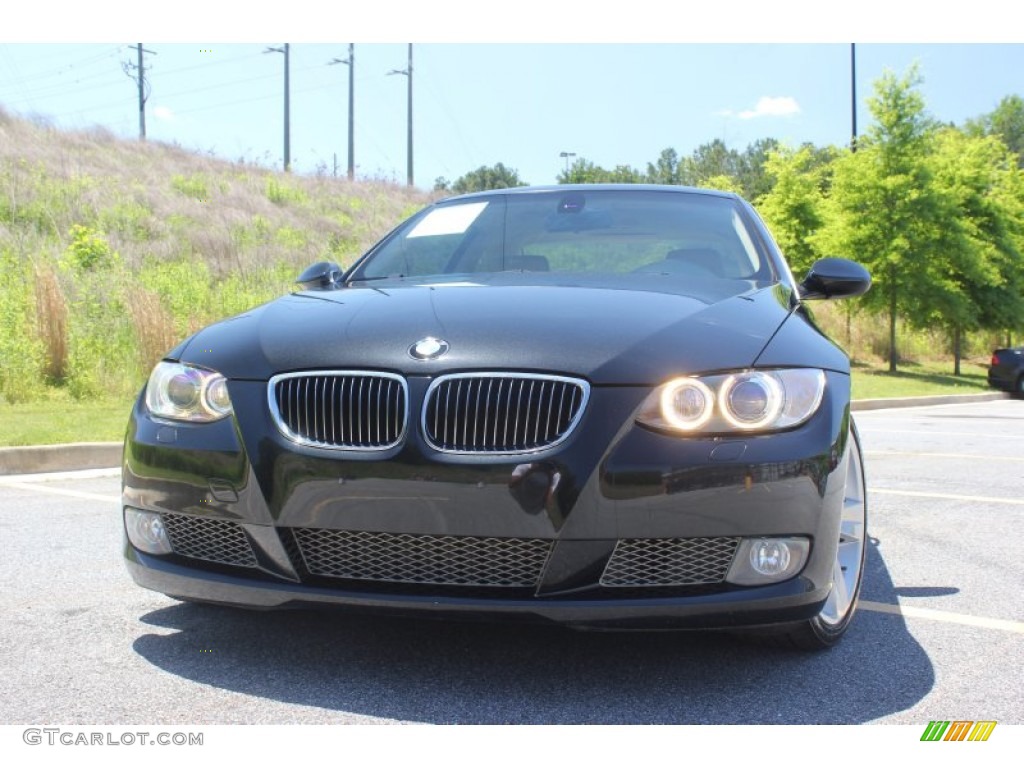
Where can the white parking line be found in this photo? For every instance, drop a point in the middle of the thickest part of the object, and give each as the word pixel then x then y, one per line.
pixel 924 455
pixel 58 491
pixel 986 435
pixel 952 496
pixel 77 474
pixel 948 617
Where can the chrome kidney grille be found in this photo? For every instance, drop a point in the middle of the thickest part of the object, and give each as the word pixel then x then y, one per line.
pixel 502 413
pixel 344 410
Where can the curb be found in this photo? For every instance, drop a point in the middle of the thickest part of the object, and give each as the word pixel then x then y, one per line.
pixel 910 402
pixel 74 456
pixel 59 458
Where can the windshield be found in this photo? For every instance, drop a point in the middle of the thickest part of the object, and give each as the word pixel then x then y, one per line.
pixel 686 235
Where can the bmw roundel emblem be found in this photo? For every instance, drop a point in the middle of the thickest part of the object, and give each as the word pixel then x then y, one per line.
pixel 429 348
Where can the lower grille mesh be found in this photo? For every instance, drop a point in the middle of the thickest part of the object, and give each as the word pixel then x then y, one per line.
pixel 217 541
pixel 417 559
pixel 669 562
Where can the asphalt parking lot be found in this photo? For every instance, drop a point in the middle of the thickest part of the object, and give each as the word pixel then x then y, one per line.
pixel 940 633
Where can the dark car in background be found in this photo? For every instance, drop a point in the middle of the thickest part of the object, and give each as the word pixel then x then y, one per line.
pixel 1006 370
pixel 602 406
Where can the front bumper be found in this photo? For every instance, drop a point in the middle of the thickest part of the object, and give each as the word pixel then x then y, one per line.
pixel 611 481
pixel 790 601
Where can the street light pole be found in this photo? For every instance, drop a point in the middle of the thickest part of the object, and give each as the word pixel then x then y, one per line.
pixel 853 96
pixel 408 73
pixel 567 155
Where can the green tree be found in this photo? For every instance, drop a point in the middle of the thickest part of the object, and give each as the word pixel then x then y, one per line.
pixel 667 169
pixel 883 209
pixel 962 172
pixel 709 160
pixel 793 209
pixel 582 171
pixel 1007 122
pixel 722 182
pixel 754 179
pixel 484 178
pixel 984 271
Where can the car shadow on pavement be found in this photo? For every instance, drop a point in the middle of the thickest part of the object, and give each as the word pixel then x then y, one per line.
pixel 446 672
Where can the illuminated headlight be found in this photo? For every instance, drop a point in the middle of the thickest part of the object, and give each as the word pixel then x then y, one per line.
pixel 687 404
pixel 186 393
pixel 146 531
pixel 747 401
pixel 768 560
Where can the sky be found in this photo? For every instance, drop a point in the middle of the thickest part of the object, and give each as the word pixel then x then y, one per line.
pixel 560 81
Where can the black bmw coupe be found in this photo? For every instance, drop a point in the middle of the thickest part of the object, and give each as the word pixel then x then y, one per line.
pixel 604 406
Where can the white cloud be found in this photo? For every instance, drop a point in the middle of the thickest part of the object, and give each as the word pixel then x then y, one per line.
pixel 772 106
pixel 163 113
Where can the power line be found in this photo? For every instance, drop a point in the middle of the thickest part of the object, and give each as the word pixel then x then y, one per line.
pixel 214 87
pixel 58 91
pixel 265 97
pixel 66 67
pixel 209 64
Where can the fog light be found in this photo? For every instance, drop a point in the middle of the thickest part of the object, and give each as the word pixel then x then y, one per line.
pixel 769 557
pixel 146 531
pixel 768 560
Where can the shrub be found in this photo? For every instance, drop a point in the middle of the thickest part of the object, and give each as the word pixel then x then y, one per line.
pixel 21 353
pixel 183 288
pixel 194 186
pixel 88 249
pixel 282 194
pixel 128 218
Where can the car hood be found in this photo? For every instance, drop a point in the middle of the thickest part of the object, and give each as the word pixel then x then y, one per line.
pixel 606 333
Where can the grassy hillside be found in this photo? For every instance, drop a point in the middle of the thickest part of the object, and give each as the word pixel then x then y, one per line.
pixel 112 250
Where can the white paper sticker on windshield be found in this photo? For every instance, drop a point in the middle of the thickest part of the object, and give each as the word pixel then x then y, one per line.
pixel 452 220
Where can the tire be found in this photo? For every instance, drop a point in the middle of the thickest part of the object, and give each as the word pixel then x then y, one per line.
pixel 828 627
pixel 1018 389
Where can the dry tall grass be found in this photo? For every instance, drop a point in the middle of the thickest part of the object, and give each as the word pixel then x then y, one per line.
pixel 51 323
pixel 154 327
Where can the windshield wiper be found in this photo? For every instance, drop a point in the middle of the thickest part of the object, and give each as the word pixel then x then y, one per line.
pixel 375 277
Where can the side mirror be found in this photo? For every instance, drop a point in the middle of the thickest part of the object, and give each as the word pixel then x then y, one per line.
pixel 835 279
pixel 324 275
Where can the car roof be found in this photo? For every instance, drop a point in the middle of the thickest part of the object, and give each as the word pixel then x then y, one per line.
pixel 595 188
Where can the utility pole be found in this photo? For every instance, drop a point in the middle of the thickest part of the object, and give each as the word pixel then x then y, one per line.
pixel 351 62
pixel 137 72
pixel 853 95
pixel 408 73
pixel 287 117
